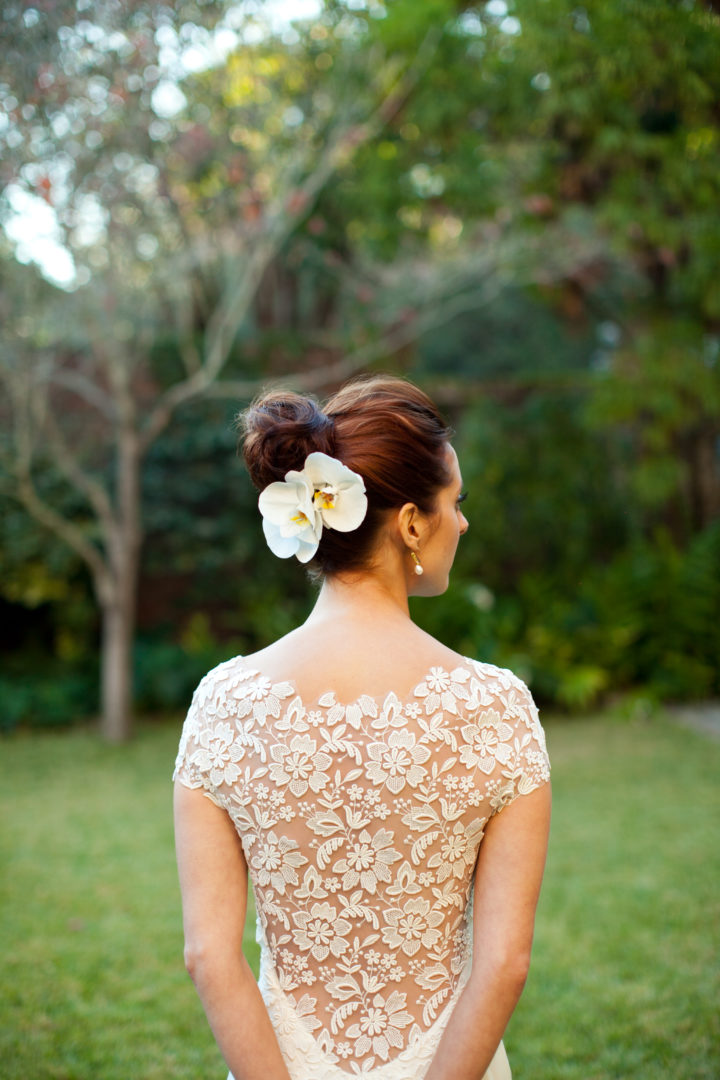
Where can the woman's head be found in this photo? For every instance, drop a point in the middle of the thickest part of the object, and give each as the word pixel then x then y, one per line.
pixel 383 428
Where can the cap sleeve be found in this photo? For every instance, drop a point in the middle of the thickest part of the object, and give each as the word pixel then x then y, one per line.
pixel 507 726
pixel 209 751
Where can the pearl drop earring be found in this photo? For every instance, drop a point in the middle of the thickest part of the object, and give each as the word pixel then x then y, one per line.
pixel 418 568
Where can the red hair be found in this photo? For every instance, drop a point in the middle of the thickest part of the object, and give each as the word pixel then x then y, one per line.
pixel 384 428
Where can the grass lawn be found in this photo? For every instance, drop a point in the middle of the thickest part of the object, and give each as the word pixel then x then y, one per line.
pixel 626 973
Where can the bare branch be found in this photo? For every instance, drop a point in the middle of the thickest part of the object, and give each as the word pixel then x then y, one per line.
pixel 84 388
pixel 395 338
pixel 71 468
pixel 66 530
pixel 278 225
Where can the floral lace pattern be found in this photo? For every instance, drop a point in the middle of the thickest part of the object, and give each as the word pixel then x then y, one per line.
pixel 361 825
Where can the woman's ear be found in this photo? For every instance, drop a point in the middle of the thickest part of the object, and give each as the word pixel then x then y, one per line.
pixel 410 525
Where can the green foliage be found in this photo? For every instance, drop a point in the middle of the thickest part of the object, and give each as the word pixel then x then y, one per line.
pixel 587 406
pixel 560 576
pixel 166 674
pixel 663 390
pixel 648 618
pixel 46 694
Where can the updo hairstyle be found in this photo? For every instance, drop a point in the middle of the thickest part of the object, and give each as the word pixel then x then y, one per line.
pixel 381 427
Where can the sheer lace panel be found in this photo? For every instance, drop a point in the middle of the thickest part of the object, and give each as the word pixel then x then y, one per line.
pixel 361 825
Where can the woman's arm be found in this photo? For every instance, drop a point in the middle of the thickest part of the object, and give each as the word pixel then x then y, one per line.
pixel 213 882
pixel 507 885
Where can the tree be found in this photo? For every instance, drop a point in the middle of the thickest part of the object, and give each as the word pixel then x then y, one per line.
pixel 174 195
pixel 183 188
pixel 98 130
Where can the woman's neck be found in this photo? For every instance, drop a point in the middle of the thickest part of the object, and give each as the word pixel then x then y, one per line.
pixel 368 595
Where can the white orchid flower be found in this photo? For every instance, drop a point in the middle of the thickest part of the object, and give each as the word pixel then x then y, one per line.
pixel 295 509
pixel 338 492
pixel 291 522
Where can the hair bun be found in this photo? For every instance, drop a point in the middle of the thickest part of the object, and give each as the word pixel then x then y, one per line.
pixel 279 430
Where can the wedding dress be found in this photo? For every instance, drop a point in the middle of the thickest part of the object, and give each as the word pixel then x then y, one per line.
pixel 361 824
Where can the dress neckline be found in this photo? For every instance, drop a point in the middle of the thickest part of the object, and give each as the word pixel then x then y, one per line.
pixel 437 678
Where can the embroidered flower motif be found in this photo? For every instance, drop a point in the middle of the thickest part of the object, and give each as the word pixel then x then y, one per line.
pixel 486 742
pixel 258 689
pixel 501 794
pixel 396 762
pixel 455 855
pixel 380 1027
pixel 218 754
pixel 438 680
pixel 368 860
pixel 300 765
pixel 324 493
pixel 411 926
pixel 276 861
pixel 321 931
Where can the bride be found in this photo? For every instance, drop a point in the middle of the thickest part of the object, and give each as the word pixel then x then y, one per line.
pixel 387 797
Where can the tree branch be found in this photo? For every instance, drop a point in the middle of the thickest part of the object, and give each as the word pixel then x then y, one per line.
pixel 395 338
pixel 88 391
pixel 67 531
pixel 70 467
pixel 279 223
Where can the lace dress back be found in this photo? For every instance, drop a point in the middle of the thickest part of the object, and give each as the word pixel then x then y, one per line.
pixel 361 824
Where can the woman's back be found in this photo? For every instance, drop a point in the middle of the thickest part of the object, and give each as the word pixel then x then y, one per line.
pixel 360 763
pixel 360 816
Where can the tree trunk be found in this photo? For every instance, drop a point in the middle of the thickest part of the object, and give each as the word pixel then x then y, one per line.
pixel 118 596
pixel 116 667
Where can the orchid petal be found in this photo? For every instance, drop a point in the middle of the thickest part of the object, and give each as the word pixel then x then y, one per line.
pixel 349 510
pixel 279 501
pixel 306 549
pixel 282 546
pixel 304 544
pixel 321 469
pixel 346 491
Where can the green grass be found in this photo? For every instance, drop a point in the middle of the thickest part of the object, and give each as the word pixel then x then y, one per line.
pixel 625 979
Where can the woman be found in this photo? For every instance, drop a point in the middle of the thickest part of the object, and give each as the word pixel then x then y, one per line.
pixel 388 797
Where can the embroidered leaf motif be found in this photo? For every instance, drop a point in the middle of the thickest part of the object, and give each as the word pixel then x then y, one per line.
pixel 325 851
pixel 421 845
pixel 343 987
pixel 431 1008
pixel 325 823
pixel 340 1015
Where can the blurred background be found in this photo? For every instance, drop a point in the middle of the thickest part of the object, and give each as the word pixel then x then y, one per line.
pixel 514 203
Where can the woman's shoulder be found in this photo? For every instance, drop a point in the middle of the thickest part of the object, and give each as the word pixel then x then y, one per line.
pixel 234 678
pixel 492 674
pixel 501 677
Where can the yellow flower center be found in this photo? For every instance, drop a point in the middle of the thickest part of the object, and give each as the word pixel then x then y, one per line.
pixel 300 518
pixel 326 499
